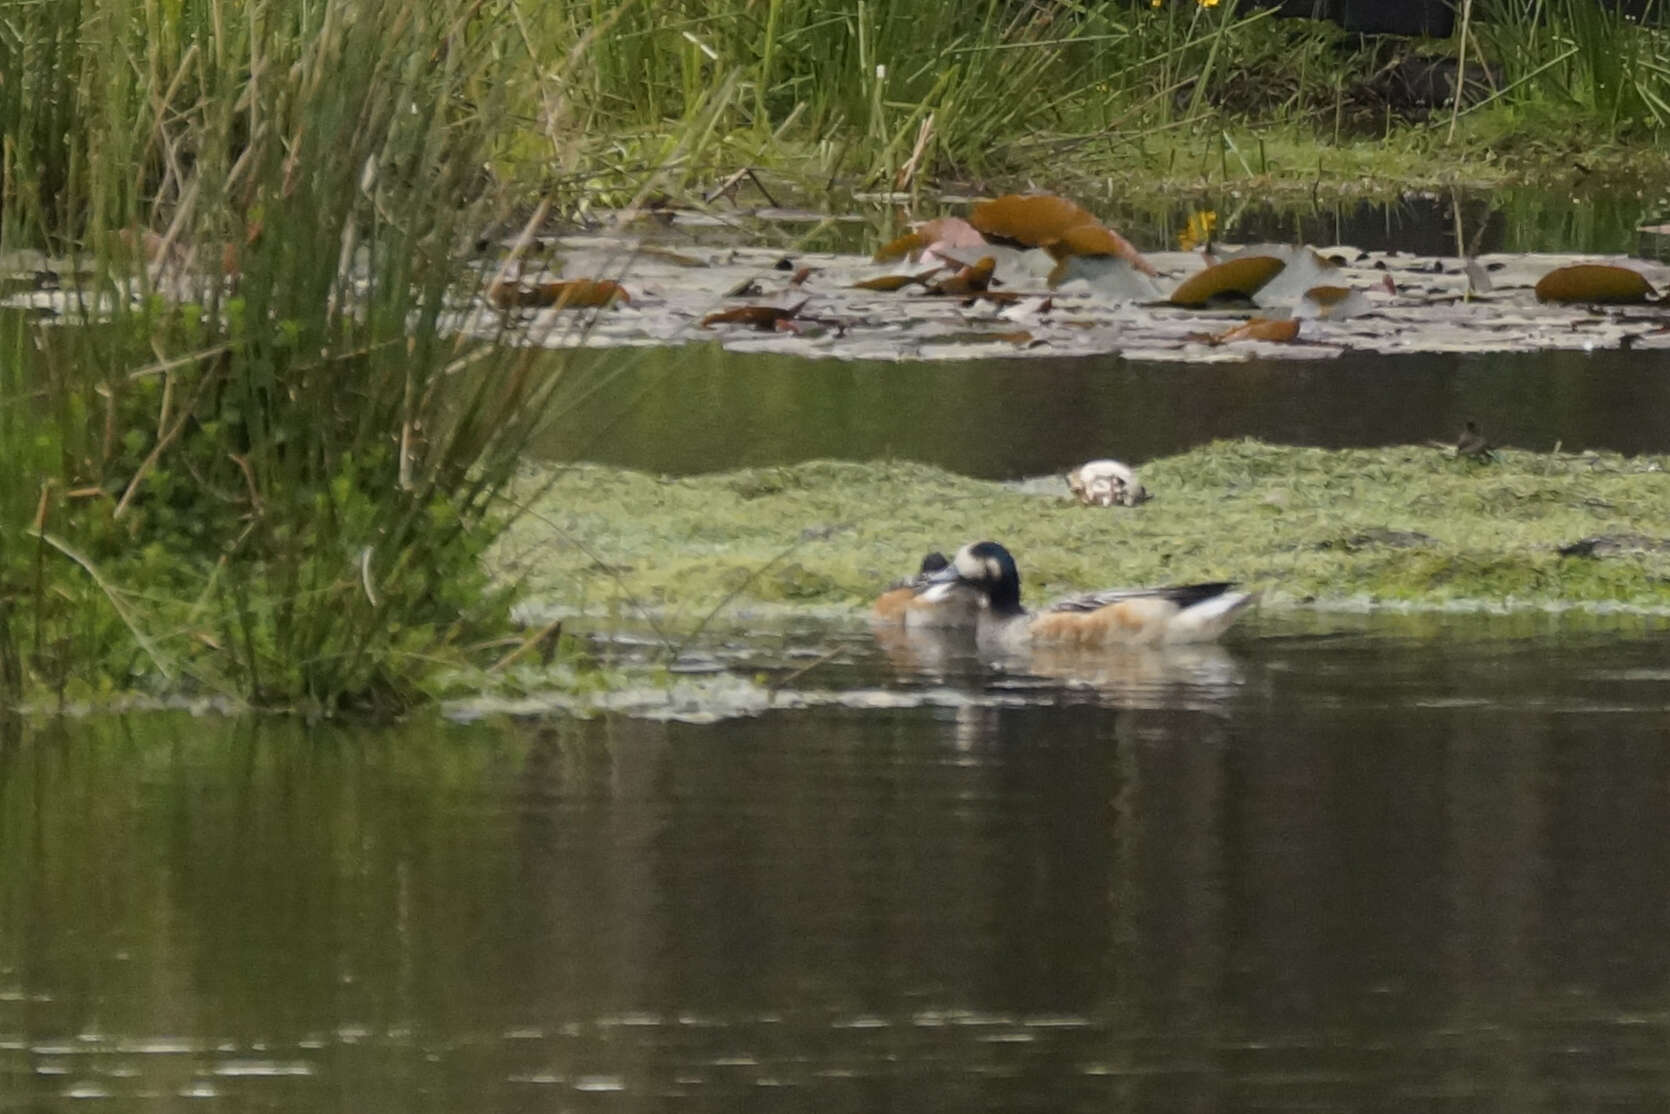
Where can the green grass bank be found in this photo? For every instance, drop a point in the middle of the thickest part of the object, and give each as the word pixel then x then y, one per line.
pixel 1403 526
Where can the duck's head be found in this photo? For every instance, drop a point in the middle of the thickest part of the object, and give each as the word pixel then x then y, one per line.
pixel 989 569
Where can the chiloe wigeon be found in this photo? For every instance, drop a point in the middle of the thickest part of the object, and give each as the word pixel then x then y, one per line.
pixel 1123 617
pixel 920 601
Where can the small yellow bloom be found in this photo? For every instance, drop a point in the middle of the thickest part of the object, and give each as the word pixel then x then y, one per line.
pixel 1207 3
pixel 1198 230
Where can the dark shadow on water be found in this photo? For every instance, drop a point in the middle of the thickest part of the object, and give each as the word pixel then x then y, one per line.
pixel 699 408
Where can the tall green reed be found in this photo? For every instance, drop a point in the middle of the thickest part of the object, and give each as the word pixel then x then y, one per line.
pixel 1611 67
pixel 254 460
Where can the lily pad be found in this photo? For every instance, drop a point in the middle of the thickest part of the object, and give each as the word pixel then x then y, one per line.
pixel 1097 240
pixel 1332 303
pixel 1594 284
pixel 1241 277
pixel 1029 220
pixel 1275 331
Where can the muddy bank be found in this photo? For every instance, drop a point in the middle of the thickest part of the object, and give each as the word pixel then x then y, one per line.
pixel 1402 527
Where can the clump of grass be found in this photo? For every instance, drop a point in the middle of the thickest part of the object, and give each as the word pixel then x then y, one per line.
pixel 246 461
pixel 1407 524
pixel 1612 66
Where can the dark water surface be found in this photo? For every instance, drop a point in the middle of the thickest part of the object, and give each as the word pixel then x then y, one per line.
pixel 1350 865
pixel 700 408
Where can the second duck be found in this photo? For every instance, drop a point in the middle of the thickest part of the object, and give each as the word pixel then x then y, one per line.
pixel 1121 617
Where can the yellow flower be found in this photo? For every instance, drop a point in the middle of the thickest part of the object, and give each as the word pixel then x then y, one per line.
pixel 1207 3
pixel 1198 230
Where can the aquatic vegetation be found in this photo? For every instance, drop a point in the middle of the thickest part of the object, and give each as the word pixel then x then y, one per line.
pixel 251 473
pixel 1595 284
pixel 1351 301
pixel 1408 525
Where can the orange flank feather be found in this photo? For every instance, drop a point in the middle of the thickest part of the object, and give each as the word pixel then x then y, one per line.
pixel 1120 623
pixel 891 605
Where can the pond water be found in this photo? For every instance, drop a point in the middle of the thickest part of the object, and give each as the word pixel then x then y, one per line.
pixel 1356 864
pixel 700 408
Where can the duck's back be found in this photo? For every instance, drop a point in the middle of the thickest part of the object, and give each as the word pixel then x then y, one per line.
pixel 1182 613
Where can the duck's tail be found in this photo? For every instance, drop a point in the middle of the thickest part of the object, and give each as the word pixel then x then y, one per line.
pixel 1207 619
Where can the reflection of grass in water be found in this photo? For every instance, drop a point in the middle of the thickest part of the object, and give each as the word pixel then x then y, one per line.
pixel 1297 523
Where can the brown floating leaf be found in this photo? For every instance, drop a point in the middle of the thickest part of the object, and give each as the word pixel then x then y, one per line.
pixel 566 294
pixel 941 233
pixel 1097 239
pixel 1278 331
pixel 668 255
pixel 1243 276
pixel 764 318
pixel 888 284
pixel 1030 220
pixel 970 280
pixel 1595 283
pixel 908 246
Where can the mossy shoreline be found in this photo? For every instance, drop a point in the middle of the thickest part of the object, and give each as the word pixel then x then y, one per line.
pixel 1405 527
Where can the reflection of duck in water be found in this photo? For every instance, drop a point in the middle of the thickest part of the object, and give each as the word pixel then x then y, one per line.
pixel 1129 617
pixel 1136 676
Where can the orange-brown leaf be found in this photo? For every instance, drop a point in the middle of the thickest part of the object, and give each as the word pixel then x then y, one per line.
pixel 888 284
pixel 1275 330
pixel 764 318
pixel 942 232
pixel 1242 276
pixel 1595 283
pixel 565 294
pixel 909 246
pixel 1097 239
pixel 1030 220
pixel 972 279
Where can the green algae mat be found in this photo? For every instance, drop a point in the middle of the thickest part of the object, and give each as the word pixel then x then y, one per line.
pixel 1409 526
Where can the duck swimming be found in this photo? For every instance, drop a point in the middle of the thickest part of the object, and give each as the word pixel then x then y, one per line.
pixel 918 602
pixel 1122 617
